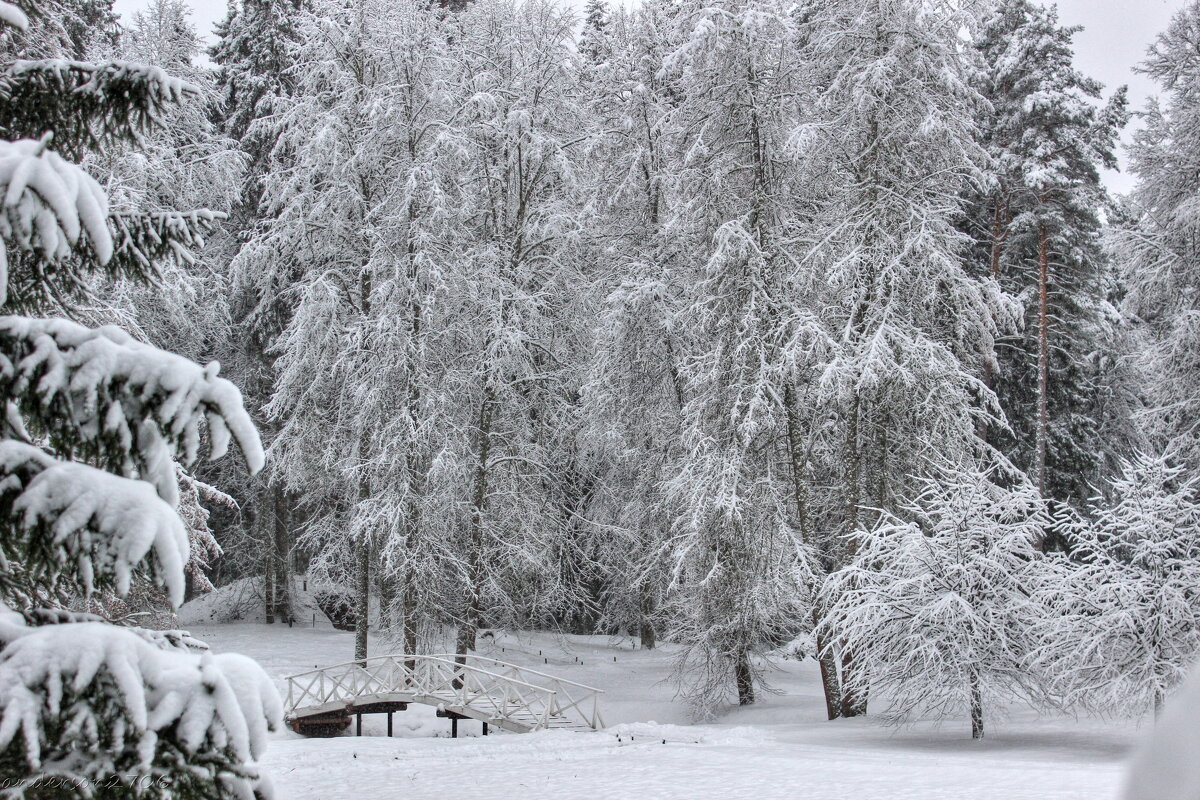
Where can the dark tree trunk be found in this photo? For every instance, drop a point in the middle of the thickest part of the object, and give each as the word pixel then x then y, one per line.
pixel 473 602
pixel 976 707
pixel 829 676
pixel 362 590
pixel 798 458
pixel 646 629
pixel 854 687
pixel 267 534
pixel 744 677
pixel 1043 364
pixel 282 553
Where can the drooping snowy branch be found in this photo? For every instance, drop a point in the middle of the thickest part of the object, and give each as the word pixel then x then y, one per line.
pixel 49 206
pixel 134 408
pixel 85 104
pixel 1123 626
pixel 67 519
pixel 90 701
pixel 937 604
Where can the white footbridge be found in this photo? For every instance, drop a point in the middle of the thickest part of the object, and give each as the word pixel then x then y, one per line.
pixel 506 696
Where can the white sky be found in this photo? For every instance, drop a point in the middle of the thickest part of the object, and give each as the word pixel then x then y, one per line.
pixel 1115 37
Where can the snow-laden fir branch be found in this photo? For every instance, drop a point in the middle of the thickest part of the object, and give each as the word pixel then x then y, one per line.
pixel 69 519
pixel 99 394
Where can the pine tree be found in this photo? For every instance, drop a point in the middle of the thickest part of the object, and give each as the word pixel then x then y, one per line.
pixel 95 425
pixel 1039 232
pixel 592 43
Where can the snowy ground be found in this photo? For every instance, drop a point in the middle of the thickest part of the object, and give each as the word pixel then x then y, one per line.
pixel 780 748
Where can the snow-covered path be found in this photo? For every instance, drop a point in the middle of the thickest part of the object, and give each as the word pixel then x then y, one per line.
pixel 779 749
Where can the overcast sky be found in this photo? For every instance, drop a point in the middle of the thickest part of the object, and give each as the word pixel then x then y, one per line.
pixel 1115 36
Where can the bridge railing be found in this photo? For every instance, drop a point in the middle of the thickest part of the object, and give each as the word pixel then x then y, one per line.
pixel 433 680
pixel 576 702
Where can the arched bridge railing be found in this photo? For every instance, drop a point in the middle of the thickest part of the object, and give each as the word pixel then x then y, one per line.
pixel 506 695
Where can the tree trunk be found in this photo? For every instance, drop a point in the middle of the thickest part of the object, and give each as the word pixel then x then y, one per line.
pixel 267 535
pixel 362 588
pixel 473 601
pixel 829 676
pixel 387 600
pixel 854 694
pixel 744 677
pixel 282 552
pixel 999 234
pixel 646 628
pixel 854 686
pixel 1043 365
pixel 798 458
pixel 976 707
pixel 410 616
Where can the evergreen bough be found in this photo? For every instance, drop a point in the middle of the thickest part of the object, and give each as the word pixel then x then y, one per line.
pixel 95 426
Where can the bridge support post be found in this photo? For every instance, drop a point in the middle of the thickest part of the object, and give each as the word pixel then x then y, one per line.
pixel 454 727
pixel 389 723
pixel 485 729
pixel 358 724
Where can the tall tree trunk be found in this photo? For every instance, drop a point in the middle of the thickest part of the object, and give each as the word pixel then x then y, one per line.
pixel 1043 365
pixel 410 614
pixel 362 590
pixel 976 707
pixel 473 601
pixel 798 458
pixel 744 677
pixel 999 234
pixel 854 694
pixel 266 532
pixel 282 551
pixel 362 571
pixel 387 599
pixel 408 580
pixel 646 627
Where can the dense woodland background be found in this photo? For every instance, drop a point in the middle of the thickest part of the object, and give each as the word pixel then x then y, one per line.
pixel 769 329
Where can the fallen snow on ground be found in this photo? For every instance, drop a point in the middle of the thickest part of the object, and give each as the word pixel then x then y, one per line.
pixel 780 748
pixel 242 601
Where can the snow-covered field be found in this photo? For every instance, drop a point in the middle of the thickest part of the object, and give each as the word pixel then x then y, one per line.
pixel 780 748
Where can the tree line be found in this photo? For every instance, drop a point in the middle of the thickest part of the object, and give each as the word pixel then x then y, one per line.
pixel 760 328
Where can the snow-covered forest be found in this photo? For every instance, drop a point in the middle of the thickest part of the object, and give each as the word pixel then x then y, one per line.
pixel 753 331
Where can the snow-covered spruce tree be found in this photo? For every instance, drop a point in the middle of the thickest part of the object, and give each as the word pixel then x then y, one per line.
pixel 1124 624
pixel 94 425
pixel 1156 242
pixel 937 604
pixel 888 145
pixel 1038 233
pixel 252 72
pixel 74 29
